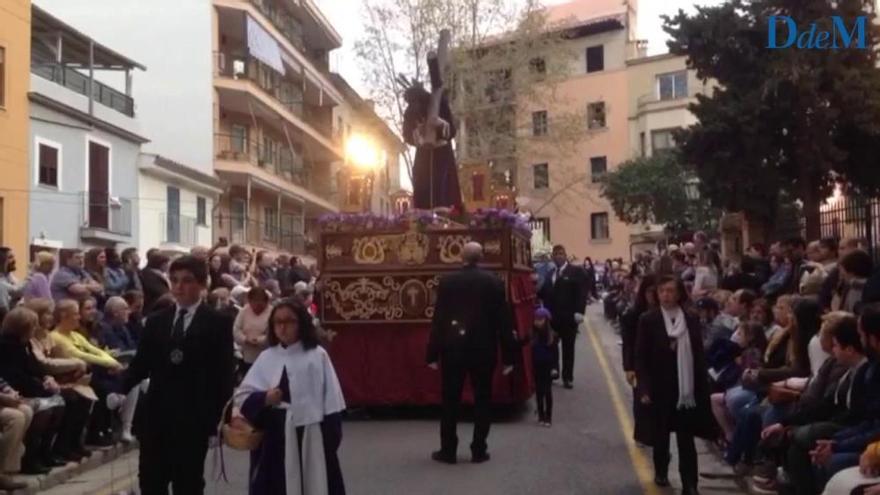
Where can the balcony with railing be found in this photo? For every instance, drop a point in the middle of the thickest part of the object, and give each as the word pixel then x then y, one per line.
pixel 284 90
pixel 69 58
pixel 105 218
pixel 272 156
pixel 178 229
pixel 286 23
pixel 654 100
pixel 78 82
pixel 251 232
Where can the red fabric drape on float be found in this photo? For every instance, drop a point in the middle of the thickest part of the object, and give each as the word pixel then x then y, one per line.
pixel 384 363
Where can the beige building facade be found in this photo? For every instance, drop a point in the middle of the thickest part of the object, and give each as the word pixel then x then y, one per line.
pixel 561 189
pixel 660 89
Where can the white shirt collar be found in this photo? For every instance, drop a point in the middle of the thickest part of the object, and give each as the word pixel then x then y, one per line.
pixel 190 310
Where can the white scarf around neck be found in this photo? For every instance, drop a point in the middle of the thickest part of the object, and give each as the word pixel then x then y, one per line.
pixel 676 328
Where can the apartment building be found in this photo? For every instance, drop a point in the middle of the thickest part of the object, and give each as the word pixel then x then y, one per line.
pixel 559 188
pixel 660 90
pixel 84 140
pixel 239 89
pixel 15 53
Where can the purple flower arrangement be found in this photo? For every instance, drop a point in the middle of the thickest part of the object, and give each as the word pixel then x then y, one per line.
pixel 490 218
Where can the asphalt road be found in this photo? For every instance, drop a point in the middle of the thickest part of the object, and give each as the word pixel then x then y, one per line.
pixel 387 452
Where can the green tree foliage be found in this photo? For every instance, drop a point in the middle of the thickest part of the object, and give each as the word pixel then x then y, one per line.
pixel 785 120
pixel 655 190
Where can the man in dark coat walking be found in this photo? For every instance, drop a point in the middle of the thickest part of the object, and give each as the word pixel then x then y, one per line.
pixel 671 375
pixel 471 319
pixel 187 353
pixel 563 294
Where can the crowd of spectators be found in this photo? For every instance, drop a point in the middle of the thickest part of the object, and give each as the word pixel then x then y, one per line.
pixel 70 328
pixel 791 337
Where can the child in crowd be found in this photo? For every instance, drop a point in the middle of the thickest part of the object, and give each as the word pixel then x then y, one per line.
pixel 753 342
pixel 544 358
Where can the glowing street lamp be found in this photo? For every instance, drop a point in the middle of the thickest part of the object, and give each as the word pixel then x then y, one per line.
pixel 364 157
pixel 362 152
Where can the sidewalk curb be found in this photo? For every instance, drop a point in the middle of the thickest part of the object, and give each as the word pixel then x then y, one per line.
pixel 58 476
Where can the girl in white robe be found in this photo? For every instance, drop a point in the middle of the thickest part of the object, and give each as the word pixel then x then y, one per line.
pixel 292 394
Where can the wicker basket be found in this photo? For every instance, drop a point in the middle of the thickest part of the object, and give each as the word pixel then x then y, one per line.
pixel 238 434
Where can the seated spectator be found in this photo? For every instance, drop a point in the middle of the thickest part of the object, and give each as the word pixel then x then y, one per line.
pixel 762 314
pixel 15 417
pixel 849 405
pixel 832 284
pixel 739 307
pixel 135 300
pixel 745 352
pixel 10 288
pixel 822 385
pixel 70 343
pixel 785 357
pixel 116 280
pixel 154 279
pixel 707 274
pixel 855 268
pixel 251 327
pixel 131 262
pixel 37 284
pixel 118 341
pixel 20 369
pixel 864 479
pixel 742 276
pixel 782 273
pixel 842 450
pixel 708 309
pixel 70 374
pixel 72 282
pixel 89 319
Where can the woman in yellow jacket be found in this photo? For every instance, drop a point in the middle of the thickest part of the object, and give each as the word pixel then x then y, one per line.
pixel 69 343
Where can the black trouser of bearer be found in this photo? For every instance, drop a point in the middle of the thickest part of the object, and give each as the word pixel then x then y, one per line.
pixel 566 340
pixel 544 390
pixel 454 369
pixel 172 457
pixel 681 422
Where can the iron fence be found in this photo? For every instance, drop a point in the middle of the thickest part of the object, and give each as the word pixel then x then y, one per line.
pixel 854 217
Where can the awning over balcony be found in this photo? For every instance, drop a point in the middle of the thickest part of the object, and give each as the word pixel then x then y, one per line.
pixel 75 52
pixel 262 46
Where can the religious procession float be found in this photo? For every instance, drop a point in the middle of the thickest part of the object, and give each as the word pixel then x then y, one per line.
pixel 379 279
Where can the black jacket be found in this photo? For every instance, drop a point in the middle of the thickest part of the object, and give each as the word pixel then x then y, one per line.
pixel 185 398
pixel 839 405
pixel 629 328
pixel 471 318
pixel 565 298
pixel 657 374
pixel 155 286
pixel 20 368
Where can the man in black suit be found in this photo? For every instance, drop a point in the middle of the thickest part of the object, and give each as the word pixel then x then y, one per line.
pixel 187 353
pixel 563 294
pixel 471 319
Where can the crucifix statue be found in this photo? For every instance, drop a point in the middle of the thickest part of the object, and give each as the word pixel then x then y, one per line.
pixel 428 125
